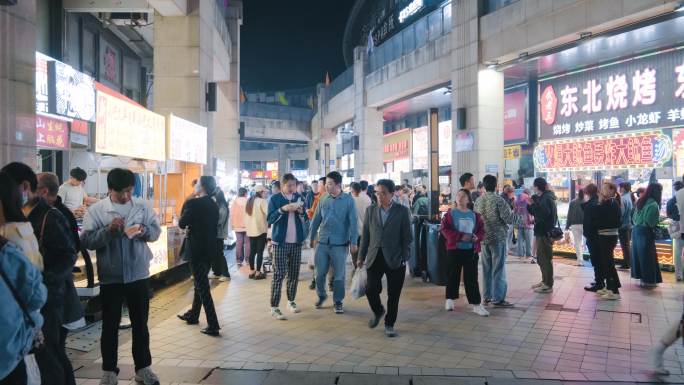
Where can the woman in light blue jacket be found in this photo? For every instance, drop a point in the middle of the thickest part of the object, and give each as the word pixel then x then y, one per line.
pixel 22 295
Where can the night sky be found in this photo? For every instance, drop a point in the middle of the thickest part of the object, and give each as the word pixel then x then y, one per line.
pixel 291 44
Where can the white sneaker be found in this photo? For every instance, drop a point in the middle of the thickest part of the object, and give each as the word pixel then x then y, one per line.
pixel 449 305
pixel 277 314
pixel 536 285
pixel 293 307
pixel 146 376
pixel 601 292
pixel 480 310
pixel 657 361
pixel 109 378
pixel 543 289
pixel 214 276
pixel 610 296
pixel 224 279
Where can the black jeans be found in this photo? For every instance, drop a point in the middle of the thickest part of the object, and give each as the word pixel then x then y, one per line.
pixel 595 258
pixel 202 296
pixel 218 264
pixel 16 376
pixel 137 297
pixel 625 236
pixel 607 245
pixel 256 251
pixel 395 282
pixel 54 365
pixel 465 260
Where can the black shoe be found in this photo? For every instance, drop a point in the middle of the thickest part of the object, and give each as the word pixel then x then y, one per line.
pixel 214 332
pixel 76 269
pixel 187 319
pixel 312 286
pixel 375 320
pixel 593 288
pixel 503 303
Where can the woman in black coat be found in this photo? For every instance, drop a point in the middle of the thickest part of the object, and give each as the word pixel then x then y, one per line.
pixel 200 216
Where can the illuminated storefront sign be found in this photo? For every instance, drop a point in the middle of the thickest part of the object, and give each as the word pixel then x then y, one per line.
pixel 128 129
pixel 74 94
pixel 410 10
pixel 397 145
pixel 160 252
pixel 512 152
pixel 420 137
pixel 640 93
pixel 515 116
pixel 51 132
pixel 42 82
pixel 187 141
pixel 621 151
pixel 79 132
pixel 445 143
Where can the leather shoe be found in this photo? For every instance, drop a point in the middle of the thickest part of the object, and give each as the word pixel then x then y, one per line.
pixel 375 320
pixel 211 331
pixel 187 319
pixel 593 288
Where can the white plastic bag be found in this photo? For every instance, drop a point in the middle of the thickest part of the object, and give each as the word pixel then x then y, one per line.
pixel 359 282
pixel 32 371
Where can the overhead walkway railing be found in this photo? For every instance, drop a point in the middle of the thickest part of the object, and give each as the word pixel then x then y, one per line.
pixel 426 29
pixel 340 83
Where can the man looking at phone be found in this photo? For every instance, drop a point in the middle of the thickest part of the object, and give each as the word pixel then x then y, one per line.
pixel 119 228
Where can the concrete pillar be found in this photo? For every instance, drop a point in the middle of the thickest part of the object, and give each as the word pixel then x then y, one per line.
pixel 367 124
pixel 226 139
pixel 283 160
pixel 480 92
pixel 179 86
pixel 17 87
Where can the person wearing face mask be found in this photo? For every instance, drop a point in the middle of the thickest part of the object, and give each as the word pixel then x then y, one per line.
pixel 59 256
pixel 200 216
pixel 119 228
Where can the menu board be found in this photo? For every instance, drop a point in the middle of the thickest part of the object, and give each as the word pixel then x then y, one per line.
pixel 187 141
pixel 127 129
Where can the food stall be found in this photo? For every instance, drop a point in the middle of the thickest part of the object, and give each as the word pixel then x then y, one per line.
pixel 617 122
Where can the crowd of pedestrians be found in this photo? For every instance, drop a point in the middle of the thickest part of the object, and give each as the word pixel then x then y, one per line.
pixel 371 227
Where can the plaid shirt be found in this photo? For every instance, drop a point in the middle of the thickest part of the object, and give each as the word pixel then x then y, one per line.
pixel 497 216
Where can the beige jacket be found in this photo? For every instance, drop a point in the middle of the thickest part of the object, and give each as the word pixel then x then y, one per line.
pixel 237 214
pixel 21 235
pixel 256 223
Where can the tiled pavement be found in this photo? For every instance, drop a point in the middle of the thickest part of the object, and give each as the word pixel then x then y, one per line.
pixel 565 336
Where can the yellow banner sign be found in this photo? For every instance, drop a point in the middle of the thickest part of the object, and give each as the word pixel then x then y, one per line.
pixel 512 152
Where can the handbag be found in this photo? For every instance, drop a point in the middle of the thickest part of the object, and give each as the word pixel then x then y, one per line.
pixel 556 233
pixel 39 338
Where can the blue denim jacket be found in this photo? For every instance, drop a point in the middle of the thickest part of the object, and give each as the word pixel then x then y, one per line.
pixel 278 218
pixel 336 218
pixel 119 259
pixel 16 335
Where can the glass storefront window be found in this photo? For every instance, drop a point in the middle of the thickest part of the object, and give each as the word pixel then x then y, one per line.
pixel 435 25
pixel 409 40
pixel 446 11
pixel 421 32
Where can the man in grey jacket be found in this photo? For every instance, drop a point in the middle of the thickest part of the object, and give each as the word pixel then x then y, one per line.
pixel 385 248
pixel 119 228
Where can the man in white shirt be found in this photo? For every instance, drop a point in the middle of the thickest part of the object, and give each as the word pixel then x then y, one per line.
pixel 362 202
pixel 73 193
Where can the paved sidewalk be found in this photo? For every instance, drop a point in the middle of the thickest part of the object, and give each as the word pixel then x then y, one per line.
pixel 565 336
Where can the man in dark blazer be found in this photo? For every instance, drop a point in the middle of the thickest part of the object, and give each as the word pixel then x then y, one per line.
pixel 200 216
pixel 385 248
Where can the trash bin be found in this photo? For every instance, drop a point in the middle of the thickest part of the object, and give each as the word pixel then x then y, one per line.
pixel 436 254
